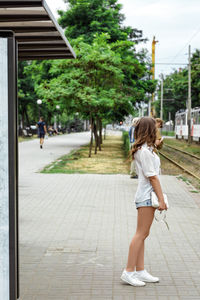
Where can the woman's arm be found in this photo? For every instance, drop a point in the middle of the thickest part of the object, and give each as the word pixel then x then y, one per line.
pixel 158 190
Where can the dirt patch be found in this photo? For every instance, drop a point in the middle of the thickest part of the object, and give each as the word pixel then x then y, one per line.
pixel 110 160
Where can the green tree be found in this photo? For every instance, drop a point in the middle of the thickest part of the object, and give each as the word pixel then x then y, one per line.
pixel 30 75
pixel 108 77
pixel 94 84
pixel 195 74
pixel 176 87
pixel 88 18
pixel 39 72
pixel 26 96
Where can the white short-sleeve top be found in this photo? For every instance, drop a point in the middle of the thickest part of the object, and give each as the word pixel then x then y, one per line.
pixel 147 164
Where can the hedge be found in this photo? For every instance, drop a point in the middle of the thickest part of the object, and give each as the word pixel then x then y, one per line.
pixel 126 143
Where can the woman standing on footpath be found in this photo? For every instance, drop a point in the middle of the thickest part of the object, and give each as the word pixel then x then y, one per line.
pixel 147 165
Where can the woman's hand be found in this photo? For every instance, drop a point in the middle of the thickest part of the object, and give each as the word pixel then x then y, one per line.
pixel 162 205
pixel 158 142
pixel 157 189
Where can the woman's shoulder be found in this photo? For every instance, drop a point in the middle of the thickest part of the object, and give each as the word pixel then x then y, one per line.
pixel 144 151
pixel 147 150
pixel 146 147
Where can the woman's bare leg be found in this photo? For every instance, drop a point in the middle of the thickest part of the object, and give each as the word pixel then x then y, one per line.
pixel 136 248
pixel 140 259
pixel 41 141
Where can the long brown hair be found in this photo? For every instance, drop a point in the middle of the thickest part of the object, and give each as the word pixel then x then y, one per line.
pixel 145 132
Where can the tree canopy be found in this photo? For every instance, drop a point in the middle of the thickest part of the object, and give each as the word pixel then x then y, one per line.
pixel 176 88
pixel 108 76
pixel 102 84
pixel 88 18
pixel 26 95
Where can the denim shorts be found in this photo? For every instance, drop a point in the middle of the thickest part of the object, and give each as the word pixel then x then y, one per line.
pixel 144 203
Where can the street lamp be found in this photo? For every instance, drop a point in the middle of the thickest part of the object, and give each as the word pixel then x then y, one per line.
pixel 58 108
pixel 55 117
pixel 39 102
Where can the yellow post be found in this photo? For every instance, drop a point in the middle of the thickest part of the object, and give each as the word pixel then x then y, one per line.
pixel 153 73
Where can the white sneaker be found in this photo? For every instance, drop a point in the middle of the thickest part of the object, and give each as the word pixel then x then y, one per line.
pixel 146 277
pixel 131 279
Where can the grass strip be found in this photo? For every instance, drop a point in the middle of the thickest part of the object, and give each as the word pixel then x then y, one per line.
pixel 182 145
pixel 168 133
pixel 126 143
pixel 108 161
pixel 26 139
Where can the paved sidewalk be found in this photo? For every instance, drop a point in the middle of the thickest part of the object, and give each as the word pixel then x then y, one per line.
pixel 32 158
pixel 75 232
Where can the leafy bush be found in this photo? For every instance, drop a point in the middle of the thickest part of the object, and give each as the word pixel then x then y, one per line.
pixel 126 143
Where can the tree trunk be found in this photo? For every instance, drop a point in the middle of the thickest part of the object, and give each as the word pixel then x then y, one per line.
pixel 27 118
pixel 49 118
pixel 22 118
pixel 96 137
pixel 91 138
pixel 104 132
pixel 100 131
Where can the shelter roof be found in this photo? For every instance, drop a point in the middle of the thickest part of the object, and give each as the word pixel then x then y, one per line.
pixel 37 32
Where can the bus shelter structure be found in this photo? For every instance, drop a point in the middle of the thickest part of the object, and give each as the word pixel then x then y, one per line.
pixel 28 31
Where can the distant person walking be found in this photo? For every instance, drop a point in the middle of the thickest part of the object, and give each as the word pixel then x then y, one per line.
pixel 131 139
pixel 42 130
pixel 147 166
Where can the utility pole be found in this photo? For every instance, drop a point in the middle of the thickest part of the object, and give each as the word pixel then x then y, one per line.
pixel 161 98
pixel 189 96
pixel 149 108
pixel 153 73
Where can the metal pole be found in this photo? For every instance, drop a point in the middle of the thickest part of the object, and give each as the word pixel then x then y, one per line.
pixel 161 98
pixel 149 107
pixel 12 131
pixel 189 96
pixel 153 73
pixel 17 172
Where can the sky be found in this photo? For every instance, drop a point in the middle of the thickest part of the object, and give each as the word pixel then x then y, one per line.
pixel 174 23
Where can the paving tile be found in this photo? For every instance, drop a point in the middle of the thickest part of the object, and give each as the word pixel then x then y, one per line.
pixel 75 232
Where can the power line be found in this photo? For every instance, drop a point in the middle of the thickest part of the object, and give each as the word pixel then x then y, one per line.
pixel 198 30
pixel 171 64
